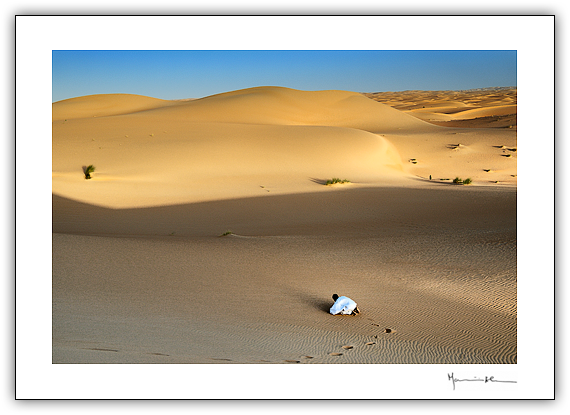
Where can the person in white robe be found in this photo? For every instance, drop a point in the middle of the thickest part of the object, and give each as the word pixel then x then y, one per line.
pixel 344 305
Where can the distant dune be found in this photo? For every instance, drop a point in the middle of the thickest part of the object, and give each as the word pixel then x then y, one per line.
pixel 475 108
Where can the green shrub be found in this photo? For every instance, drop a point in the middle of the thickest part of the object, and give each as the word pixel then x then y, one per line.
pixel 457 180
pixel 88 170
pixel 226 233
pixel 336 180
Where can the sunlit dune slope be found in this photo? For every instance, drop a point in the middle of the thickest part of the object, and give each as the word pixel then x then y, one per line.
pixel 274 105
pixel 242 143
pixel 104 105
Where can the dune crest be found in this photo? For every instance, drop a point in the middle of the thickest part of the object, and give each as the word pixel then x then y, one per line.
pixel 104 105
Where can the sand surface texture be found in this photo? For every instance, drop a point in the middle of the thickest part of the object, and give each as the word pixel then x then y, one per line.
pixel 142 273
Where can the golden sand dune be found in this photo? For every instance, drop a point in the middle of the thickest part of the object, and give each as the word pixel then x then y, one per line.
pixel 287 106
pixel 486 112
pixel 262 105
pixel 141 273
pixel 504 116
pixel 150 152
pixel 488 108
pixel 103 106
pixel 476 97
pixel 223 146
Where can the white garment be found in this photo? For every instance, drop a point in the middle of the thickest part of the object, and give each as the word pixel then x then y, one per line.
pixel 343 305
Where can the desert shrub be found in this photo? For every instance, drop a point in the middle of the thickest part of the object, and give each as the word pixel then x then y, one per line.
pixel 88 170
pixel 457 180
pixel 336 180
pixel 226 233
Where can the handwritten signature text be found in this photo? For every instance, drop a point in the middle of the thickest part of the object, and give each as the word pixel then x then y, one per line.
pixel 486 379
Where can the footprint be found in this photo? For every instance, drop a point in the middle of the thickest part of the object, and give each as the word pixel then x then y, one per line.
pixel 347 347
pixel 158 354
pixel 386 330
pixel 335 354
pixel 293 361
pixel 370 343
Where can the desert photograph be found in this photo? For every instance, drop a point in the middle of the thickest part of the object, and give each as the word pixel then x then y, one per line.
pixel 207 205
pixel 299 208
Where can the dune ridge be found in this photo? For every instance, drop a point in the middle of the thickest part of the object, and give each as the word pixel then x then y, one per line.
pixel 260 105
pixel 104 105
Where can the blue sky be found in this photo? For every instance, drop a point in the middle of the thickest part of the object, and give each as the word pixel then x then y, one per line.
pixel 195 74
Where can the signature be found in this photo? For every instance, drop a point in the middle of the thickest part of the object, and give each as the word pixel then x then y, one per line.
pixel 486 379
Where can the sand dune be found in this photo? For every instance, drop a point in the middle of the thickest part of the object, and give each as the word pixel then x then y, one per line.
pixel 486 112
pixel 242 140
pixel 136 247
pixel 287 106
pixel 494 108
pixel 104 106
pixel 262 105
pixel 229 145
